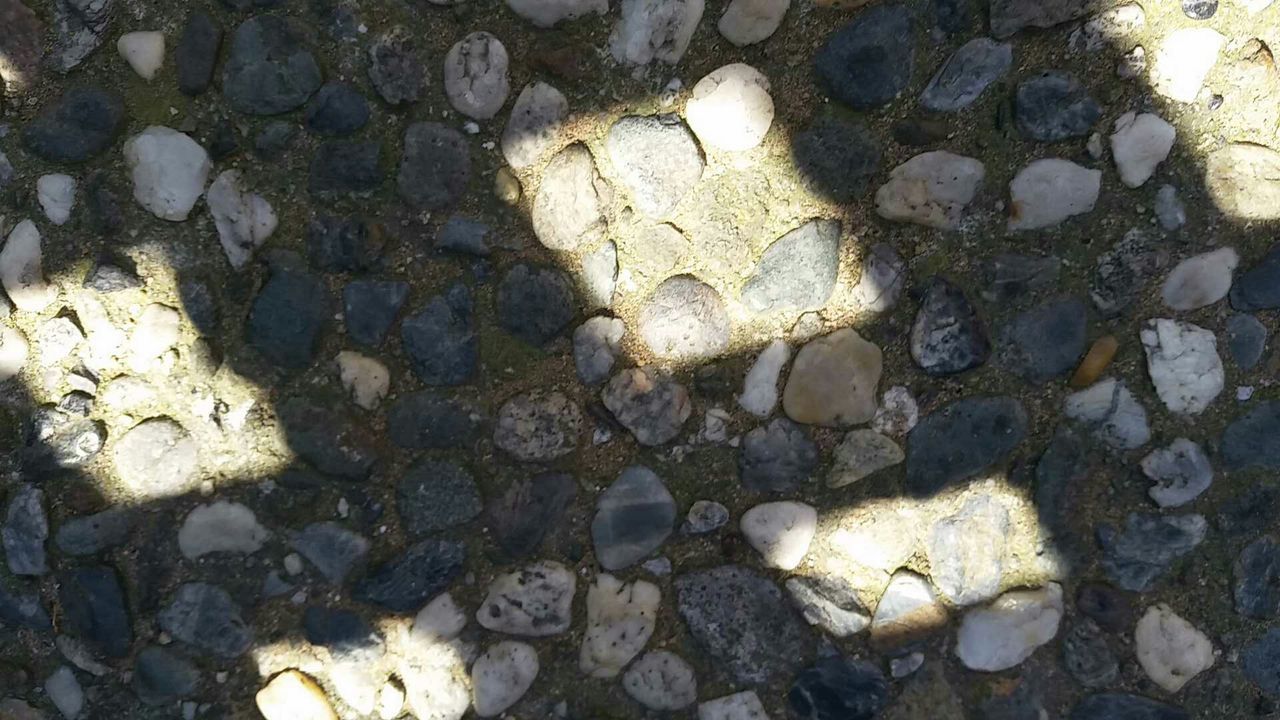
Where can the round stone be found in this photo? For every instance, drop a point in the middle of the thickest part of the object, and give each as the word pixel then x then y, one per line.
pixel 684 319
pixel 157 459
pixel 538 426
pixel 731 108
pixel 476 78
pixel 833 381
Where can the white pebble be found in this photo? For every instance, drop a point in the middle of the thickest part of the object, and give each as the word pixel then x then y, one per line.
pixel 1005 633
pixel 366 380
pixel 931 189
pixel 1201 280
pixel 661 681
pixel 244 220
pixel 22 270
pixel 13 352
pixel 1049 191
pixel 57 196
pixel 760 388
pixel 780 532
pixel 156 331
pixel 731 108
pixel 535 123
pixel 651 30
pixel 144 51
pixel 1171 650
pixel 738 706
pixel 1183 61
pixel 746 22
pixel 1183 362
pixel 501 676
pixel 221 527
pixel 476 78
pixel 169 171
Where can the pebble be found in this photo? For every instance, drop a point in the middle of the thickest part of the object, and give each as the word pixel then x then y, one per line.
pixel 760 387
pixel 568 210
pixel 1053 106
pixel 196 55
pixel 836 688
pixel 684 319
pixel 341 167
pixel 650 30
pixel 1257 572
pixel 1005 633
pixel 538 426
pixel 948 336
pixel 502 675
pixel 162 677
pixel 26 528
pixel 169 171
pixel 530 508
pixel 65 692
pixel 731 108
pixel 1171 650
pixel 288 317
pixel 1123 271
pixel 464 235
pixel 1011 16
pixel 22 272
pixel 596 344
pixel 781 532
pixel 1049 191
pixel 370 308
pixel 1105 605
pixel 395 69
pixel 905 666
pixel 91 534
pixel 1246 339
pixel 1125 706
pixel 436 495
pixel 1181 472
pixel 931 189
pixel 440 340
pixel 833 381
pixel 738 617
pixel 404 583
pixel 1110 27
pixel 747 22
pixel 545 14
pixel 506 186
pixel 534 601
pixel 80 124
pixel 1260 661
pixel 861 453
pixel 835 157
pixel 634 517
pixel 157 458
pixel 337 109
pixel 966 75
pixel 1045 343
pixel 292 695
pixel 797 271
pixel 205 617
pixel 1199 9
pixel 908 611
pixel 365 380
pixel 57 196
pixel 1135 557
pixel 1088 657
pixel 326 437
pixel 57 339
pixel 1170 211
pixel 1183 61
pixel 1139 144
pixel 268 70
pixel 221 527
pixel 966 551
pixel 830 603
pixel 535 303
pixel 332 549
pixel 244 220
pixel 536 120
pixel 868 62
pixel 620 621
pixel 1183 362
pixel 1201 280
pixel 144 51
pixel 661 681
pixel 648 403
pixel 777 457
pixel 435 167
pixel 1011 276
pixel 744 705
pixel 275 138
pixel 657 159
pixel 1258 288
pixel 961 440
pixel 476 77
pixel 705 516
pixel 882 280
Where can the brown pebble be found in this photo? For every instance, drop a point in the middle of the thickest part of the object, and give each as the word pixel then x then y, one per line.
pixel 506 186
pixel 1095 361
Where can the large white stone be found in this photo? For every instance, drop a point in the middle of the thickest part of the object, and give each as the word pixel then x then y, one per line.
pixel 760 388
pixel 780 532
pixel 651 30
pixel 144 51
pixel 221 527
pixel 731 108
pixel 22 269
pixel 1049 191
pixel 244 220
pixel 57 196
pixel 1171 650
pixel 1005 633
pixel 294 696
pixel 1183 362
pixel 13 352
pixel 746 22
pixel 931 189
pixel 501 676
pixel 546 13
pixel 1200 280
pixel 661 681
pixel 1180 471
pixel 536 120
pixel 156 331
pixel 1183 61
pixel 620 620
pixel 476 75
pixel 1139 144
pixel 365 379
pixel 169 171
pixel 534 601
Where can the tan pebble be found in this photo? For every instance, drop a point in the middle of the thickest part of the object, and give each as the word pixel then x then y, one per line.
pixel 506 186
pixel 294 696
pixel 1095 361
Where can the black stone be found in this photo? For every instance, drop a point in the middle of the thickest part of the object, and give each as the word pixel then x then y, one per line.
pixel 289 316
pixel 1199 9
pixel 1259 287
pixel 441 340
pixel 1247 340
pixel 338 244
pixel 1010 16
pixel 1054 106
pixel 92 534
pixel 535 303
pixel 1008 276
pixel 345 167
pixel 953 16
pixel 200 306
pixel 100 200
pixel 1249 512
pixel 530 509
pixel 837 688
pixel 205 617
pixel 836 157
pixel 333 549
pixel 223 140
pixel 79 125
pixel 778 457
pixel 197 53
pixel 1251 441
pixel 337 109
pixel 426 420
pixel 162 677
pixel 435 167
pixel 914 132
pixel 947 336
pixel 1261 662
pixel 268 71
pixel 274 139
pixel 326 439
pixel 1135 557
pixel 1257 579
pixel 343 632
pixel 1064 464
pixel 464 235
pixel 1123 706
pixel 370 307
pixel 869 61
pixel 1106 606
pixel 1088 657
pixel 1023 703
pixel 18 610
pixel 93 608
pixel 436 495
pixel 406 583
pixel 1047 342
pixel 961 440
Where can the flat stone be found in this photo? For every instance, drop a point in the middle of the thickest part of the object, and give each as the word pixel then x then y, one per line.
pixel 1246 339
pixel 1135 557
pixel 931 189
pixel 778 457
pixel 966 74
pixel 205 617
pixel 1005 633
pixel 1053 106
pixel 538 426
pixel 196 55
pixel 744 705
pixel 162 677
pixel 441 341
pixel 1257 579
pixel 1139 144
pixel 342 244
pixel 337 109
pixel 650 30
pixel 535 303
pixel 1088 657
pixel 830 603
pixel 435 167
pixel 836 157
pixel 1049 191
pixel 1260 661
pixel 1249 511
pixel 80 124
pixel 333 549
pixel 534 601
pixel 868 62
pixel 426 420
pixel 837 687
pixel 26 528
pixel 740 620
pixel 961 440
pixel 1256 289
pixel 395 67
pixel 661 681
pixel 220 527
pixel 289 316
pixel 1171 650
pixel 502 675
pixel 862 453
pixel 1123 272
pixel 346 167
pixel 476 77
pixel 292 695
pixel 244 219
pixel 620 621
pixel 684 319
pixel 948 336
pixel 656 158
pixel 1183 61
pixel 796 272
pixel 530 508
pixel 268 69
pixel 568 209
pixel 536 120
pixel 966 551
pixel 1011 16
pixel 648 403
pixel 731 108
pixel 169 171
pixel 596 344
pixel 1200 280
pixel 1183 362
pixel 1181 472
pixel 156 459
pixel 421 572
pixel 1046 342
pixel 545 14
pixel 908 611
pixel 634 516
pixel 436 495
pixel 1123 706
pixel 760 386
pixel 92 534
pixel 833 381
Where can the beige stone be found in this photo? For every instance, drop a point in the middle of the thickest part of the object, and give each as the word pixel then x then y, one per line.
pixel 1244 181
pixel 861 453
pixel 294 696
pixel 1170 649
pixel 834 381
